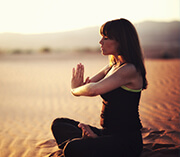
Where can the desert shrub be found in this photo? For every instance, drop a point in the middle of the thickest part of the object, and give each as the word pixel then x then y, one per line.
pixel 87 49
pixel 166 55
pixel 45 50
pixel 17 51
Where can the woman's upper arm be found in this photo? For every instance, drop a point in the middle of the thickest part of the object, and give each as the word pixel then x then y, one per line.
pixel 122 76
pixel 101 74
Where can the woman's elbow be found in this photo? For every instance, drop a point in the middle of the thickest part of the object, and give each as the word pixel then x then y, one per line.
pixel 74 94
pixel 88 93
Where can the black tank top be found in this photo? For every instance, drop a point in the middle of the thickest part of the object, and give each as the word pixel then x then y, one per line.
pixel 120 111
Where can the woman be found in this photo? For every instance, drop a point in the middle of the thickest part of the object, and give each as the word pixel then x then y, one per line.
pixel 119 84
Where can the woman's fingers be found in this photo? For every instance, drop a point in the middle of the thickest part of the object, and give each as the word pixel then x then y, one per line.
pixel 87 130
pixel 79 71
pixel 82 71
pixel 87 80
pixel 73 72
pixel 77 76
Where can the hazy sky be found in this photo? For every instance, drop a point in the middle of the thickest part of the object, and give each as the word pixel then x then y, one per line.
pixel 39 16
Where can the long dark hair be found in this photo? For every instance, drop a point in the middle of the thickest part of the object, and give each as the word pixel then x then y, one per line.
pixel 129 48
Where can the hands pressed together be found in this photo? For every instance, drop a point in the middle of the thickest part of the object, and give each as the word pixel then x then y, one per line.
pixel 78 76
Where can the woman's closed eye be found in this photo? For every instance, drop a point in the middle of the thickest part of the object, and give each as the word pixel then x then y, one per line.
pixel 106 38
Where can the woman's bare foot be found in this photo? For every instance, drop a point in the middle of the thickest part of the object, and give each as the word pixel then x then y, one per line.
pixel 87 132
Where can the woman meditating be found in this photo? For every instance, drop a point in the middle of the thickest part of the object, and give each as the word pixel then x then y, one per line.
pixel 119 84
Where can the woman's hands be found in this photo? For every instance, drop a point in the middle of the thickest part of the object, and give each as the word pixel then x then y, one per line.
pixel 78 76
pixel 86 131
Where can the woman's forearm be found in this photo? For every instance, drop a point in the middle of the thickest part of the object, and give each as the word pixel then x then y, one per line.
pixel 85 90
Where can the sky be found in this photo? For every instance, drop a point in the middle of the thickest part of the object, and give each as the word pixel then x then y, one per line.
pixel 47 16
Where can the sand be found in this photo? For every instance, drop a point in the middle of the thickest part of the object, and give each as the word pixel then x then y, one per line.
pixel 35 89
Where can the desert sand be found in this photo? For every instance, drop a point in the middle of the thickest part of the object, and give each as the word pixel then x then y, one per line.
pixel 35 89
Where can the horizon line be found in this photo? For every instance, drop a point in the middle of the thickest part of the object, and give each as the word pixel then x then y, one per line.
pixel 82 28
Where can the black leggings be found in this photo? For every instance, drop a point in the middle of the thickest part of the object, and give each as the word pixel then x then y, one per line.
pixel 69 138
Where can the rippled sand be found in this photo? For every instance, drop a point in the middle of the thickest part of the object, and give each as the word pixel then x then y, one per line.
pixel 34 90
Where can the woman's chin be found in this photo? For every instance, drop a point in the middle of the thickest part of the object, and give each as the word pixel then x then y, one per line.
pixel 103 53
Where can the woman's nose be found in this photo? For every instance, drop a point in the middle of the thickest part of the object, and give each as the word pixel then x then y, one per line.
pixel 100 42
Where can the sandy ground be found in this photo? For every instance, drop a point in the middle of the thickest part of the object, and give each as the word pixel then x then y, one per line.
pixel 35 89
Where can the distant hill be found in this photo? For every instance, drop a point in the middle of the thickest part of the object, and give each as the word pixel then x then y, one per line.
pixel 155 37
pixel 160 38
pixel 87 37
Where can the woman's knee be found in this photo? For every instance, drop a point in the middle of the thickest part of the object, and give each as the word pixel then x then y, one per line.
pixel 57 122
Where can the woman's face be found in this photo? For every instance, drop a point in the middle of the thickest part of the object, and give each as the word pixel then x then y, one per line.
pixel 108 46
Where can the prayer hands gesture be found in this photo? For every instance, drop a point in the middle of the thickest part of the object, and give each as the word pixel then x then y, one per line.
pixel 78 76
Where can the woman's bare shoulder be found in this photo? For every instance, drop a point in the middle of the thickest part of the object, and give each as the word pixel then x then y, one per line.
pixel 127 68
pixel 133 77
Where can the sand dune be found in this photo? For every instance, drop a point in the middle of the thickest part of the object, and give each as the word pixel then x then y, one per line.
pixel 34 90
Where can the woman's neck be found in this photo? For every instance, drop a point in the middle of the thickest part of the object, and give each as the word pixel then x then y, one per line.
pixel 119 60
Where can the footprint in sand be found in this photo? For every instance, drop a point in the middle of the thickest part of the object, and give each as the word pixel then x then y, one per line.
pixel 47 144
pixel 57 154
pixel 154 134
